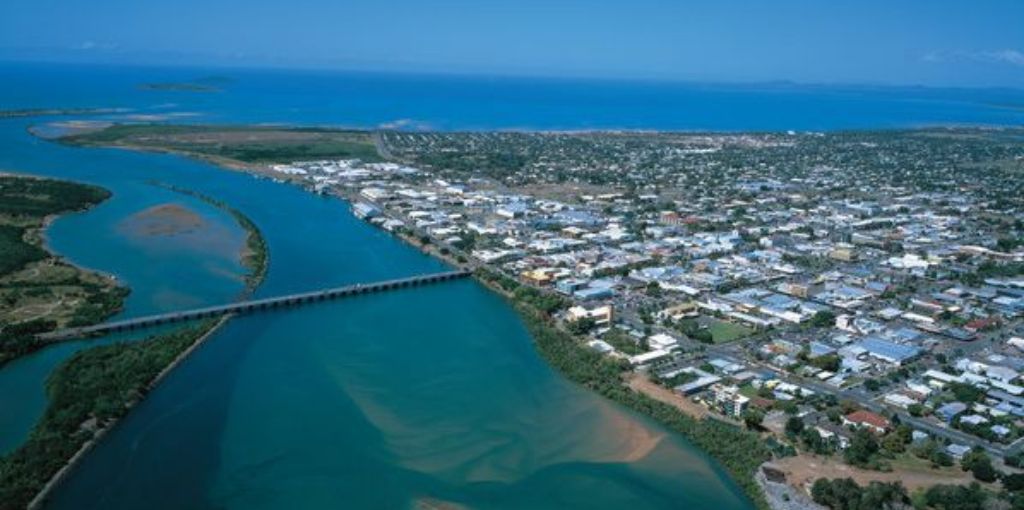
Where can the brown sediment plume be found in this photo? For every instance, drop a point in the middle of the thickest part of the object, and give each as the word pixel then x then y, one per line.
pixel 429 503
pixel 635 441
pixel 163 220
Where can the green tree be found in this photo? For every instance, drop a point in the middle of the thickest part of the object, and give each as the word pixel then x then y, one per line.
pixel 830 362
pixel 581 326
pixel 823 319
pixel 752 418
pixel 1013 482
pixel 653 290
pixel 893 443
pixel 846 494
pixel 838 494
pixel 794 426
pixel 965 392
pixel 972 457
pixel 955 497
pixel 862 449
pixel 979 464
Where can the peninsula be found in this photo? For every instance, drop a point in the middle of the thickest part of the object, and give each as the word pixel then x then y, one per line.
pixel 91 391
pixel 39 291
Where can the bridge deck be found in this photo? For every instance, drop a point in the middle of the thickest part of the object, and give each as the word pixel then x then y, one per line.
pixel 254 305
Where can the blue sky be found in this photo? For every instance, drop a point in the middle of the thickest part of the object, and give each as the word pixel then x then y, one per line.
pixel 934 42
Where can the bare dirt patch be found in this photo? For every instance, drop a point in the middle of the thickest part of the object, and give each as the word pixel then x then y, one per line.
pixel 642 384
pixel 802 470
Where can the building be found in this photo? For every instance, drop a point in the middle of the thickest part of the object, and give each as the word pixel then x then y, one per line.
pixel 843 254
pixel 680 311
pixel 375 194
pixel 957 451
pixel 729 401
pixel 662 341
pixel 593 293
pixel 568 286
pixel 867 419
pixel 512 211
pixel 651 358
pixel 601 315
pixel 887 351
pixel 365 211
pixel 703 381
pixel 950 411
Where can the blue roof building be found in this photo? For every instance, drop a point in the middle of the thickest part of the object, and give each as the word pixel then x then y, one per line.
pixel 950 411
pixel 889 351
pixel 820 349
pixel 591 293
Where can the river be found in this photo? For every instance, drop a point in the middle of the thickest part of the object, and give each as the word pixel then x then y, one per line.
pixel 427 395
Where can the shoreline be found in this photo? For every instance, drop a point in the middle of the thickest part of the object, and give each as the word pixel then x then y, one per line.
pixel 54 112
pixel 232 164
pixel 69 466
pixel 680 423
pixel 540 324
pixel 257 273
pixel 252 282
pixel 50 218
pixel 38 236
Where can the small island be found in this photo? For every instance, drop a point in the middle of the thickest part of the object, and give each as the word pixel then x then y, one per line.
pixel 204 84
pixel 44 112
pixel 179 87
pixel 39 291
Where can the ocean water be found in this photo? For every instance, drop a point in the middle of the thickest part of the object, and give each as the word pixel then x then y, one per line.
pixel 428 395
pixel 476 103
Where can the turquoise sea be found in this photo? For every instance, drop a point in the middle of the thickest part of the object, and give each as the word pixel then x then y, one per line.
pixel 427 395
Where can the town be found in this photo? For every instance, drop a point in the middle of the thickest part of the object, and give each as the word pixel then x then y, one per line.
pixel 853 294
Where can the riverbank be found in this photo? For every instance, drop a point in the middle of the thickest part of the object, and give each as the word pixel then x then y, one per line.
pixel 89 394
pixel 73 462
pixel 98 386
pixel 740 452
pixel 39 290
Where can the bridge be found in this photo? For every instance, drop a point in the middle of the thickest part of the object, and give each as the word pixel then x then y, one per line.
pixel 254 305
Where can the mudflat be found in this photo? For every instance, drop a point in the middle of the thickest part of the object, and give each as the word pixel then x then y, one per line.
pixel 163 220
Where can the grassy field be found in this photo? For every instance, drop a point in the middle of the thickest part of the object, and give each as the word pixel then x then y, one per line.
pixel 723 331
pixel 245 144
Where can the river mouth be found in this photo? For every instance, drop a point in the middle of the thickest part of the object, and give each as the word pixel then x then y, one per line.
pixel 433 396
pixel 451 402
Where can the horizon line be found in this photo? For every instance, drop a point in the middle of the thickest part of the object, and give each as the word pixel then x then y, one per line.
pixel 378 69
